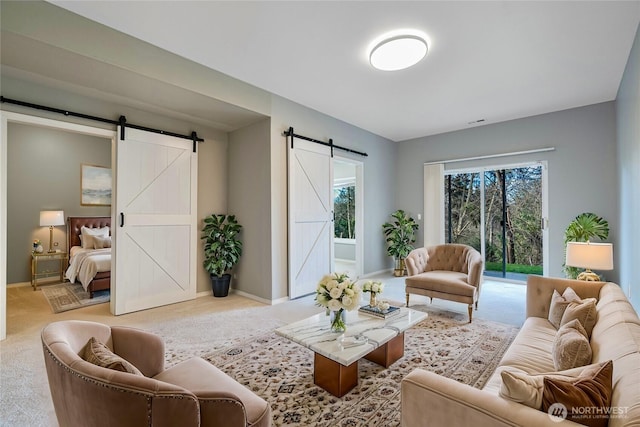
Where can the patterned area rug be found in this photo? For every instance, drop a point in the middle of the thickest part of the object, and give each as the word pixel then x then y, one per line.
pixel 281 371
pixel 69 296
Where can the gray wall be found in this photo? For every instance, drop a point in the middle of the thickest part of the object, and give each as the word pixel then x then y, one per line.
pixel 43 173
pixel 212 154
pixel 582 169
pixel 628 132
pixel 248 199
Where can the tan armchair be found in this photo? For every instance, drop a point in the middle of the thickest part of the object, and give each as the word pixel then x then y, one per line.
pixel 191 393
pixel 451 271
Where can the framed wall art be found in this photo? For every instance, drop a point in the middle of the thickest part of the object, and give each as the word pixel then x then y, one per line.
pixel 95 186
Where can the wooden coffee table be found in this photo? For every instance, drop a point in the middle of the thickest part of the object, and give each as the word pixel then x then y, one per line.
pixel 335 367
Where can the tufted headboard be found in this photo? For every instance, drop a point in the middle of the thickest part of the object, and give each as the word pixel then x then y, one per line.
pixel 75 223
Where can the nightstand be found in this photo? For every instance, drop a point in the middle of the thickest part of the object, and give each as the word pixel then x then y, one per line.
pixel 62 259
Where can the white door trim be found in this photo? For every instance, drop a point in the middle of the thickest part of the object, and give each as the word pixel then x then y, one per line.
pixel 7 117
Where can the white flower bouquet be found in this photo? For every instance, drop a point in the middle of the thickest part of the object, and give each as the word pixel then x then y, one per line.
pixel 338 293
pixel 375 288
pixel 371 286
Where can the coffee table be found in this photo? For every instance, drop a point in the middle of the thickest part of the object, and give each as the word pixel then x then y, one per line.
pixel 335 367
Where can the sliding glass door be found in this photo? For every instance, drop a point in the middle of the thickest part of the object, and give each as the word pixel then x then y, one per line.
pixel 500 213
pixel 463 209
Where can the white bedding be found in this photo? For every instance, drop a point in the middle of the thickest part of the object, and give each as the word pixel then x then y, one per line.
pixel 86 263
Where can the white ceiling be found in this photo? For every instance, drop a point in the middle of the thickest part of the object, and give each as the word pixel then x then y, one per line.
pixel 488 60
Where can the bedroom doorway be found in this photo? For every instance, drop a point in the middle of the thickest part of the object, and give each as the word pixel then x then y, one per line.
pixel 7 119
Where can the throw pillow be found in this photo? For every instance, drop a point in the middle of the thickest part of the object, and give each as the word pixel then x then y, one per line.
pixel 584 311
pixel 557 308
pixel 527 389
pixel 101 242
pixel 87 242
pixel 592 391
pixel 559 304
pixel 570 347
pixel 99 354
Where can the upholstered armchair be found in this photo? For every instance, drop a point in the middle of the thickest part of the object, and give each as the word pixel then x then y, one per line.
pixel 191 393
pixel 450 271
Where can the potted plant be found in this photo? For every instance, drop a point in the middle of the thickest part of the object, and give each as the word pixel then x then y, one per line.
pixel 222 250
pixel 400 234
pixel 583 228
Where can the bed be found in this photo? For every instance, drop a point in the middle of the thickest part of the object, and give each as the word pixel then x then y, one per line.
pixel 89 266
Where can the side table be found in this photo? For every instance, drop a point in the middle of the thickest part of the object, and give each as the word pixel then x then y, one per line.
pixel 62 259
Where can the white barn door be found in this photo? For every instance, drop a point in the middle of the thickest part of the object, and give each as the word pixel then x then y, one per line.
pixel 155 221
pixel 310 216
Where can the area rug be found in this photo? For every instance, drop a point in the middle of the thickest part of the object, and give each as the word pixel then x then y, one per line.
pixel 69 296
pixel 281 371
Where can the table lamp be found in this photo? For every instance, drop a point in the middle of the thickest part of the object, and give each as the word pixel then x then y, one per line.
pixel 587 255
pixel 51 219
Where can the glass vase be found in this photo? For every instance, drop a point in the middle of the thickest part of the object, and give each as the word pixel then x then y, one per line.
pixel 372 300
pixel 338 320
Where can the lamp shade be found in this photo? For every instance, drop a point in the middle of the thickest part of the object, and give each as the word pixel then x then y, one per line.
pixel 51 218
pixel 594 256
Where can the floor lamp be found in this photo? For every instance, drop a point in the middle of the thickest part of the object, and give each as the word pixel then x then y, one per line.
pixel 51 219
pixel 587 255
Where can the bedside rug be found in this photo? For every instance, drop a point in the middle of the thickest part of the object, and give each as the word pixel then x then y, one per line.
pixel 69 296
pixel 281 371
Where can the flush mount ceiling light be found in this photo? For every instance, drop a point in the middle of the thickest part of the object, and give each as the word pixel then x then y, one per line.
pixel 398 50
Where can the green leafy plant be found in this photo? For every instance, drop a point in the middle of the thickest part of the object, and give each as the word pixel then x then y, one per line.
pixel 222 249
pixel 400 236
pixel 583 228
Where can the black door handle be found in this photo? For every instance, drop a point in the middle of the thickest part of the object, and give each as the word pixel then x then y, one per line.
pixel 121 219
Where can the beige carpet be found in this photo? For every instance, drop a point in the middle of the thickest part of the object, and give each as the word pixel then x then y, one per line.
pixel 204 327
pixel 281 371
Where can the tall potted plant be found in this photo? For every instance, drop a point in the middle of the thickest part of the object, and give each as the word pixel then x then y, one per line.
pixel 222 250
pixel 583 228
pixel 400 235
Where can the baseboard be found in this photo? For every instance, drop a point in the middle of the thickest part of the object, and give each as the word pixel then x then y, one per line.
pixel 246 295
pixel 204 294
pixel 376 273
pixel 259 299
pixel 21 284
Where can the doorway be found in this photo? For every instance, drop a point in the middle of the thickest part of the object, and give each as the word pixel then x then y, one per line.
pixel 6 119
pixel 347 207
pixel 500 211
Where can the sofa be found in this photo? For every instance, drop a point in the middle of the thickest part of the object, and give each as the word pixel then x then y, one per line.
pixel 430 399
pixel 450 271
pixel 131 387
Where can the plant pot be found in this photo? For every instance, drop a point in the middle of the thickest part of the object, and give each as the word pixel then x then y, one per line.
pixel 399 270
pixel 220 285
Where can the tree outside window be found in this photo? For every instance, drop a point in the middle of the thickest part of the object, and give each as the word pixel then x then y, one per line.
pixel 345 212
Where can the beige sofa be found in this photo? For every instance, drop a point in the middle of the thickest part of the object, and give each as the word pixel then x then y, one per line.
pixel 451 271
pixel 615 336
pixel 191 393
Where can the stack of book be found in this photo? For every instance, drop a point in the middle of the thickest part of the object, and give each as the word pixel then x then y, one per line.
pixel 375 311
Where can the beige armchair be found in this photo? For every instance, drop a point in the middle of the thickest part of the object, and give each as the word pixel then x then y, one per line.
pixel 191 393
pixel 451 271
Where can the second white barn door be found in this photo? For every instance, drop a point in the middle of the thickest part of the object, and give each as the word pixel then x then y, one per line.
pixel 155 221
pixel 310 216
